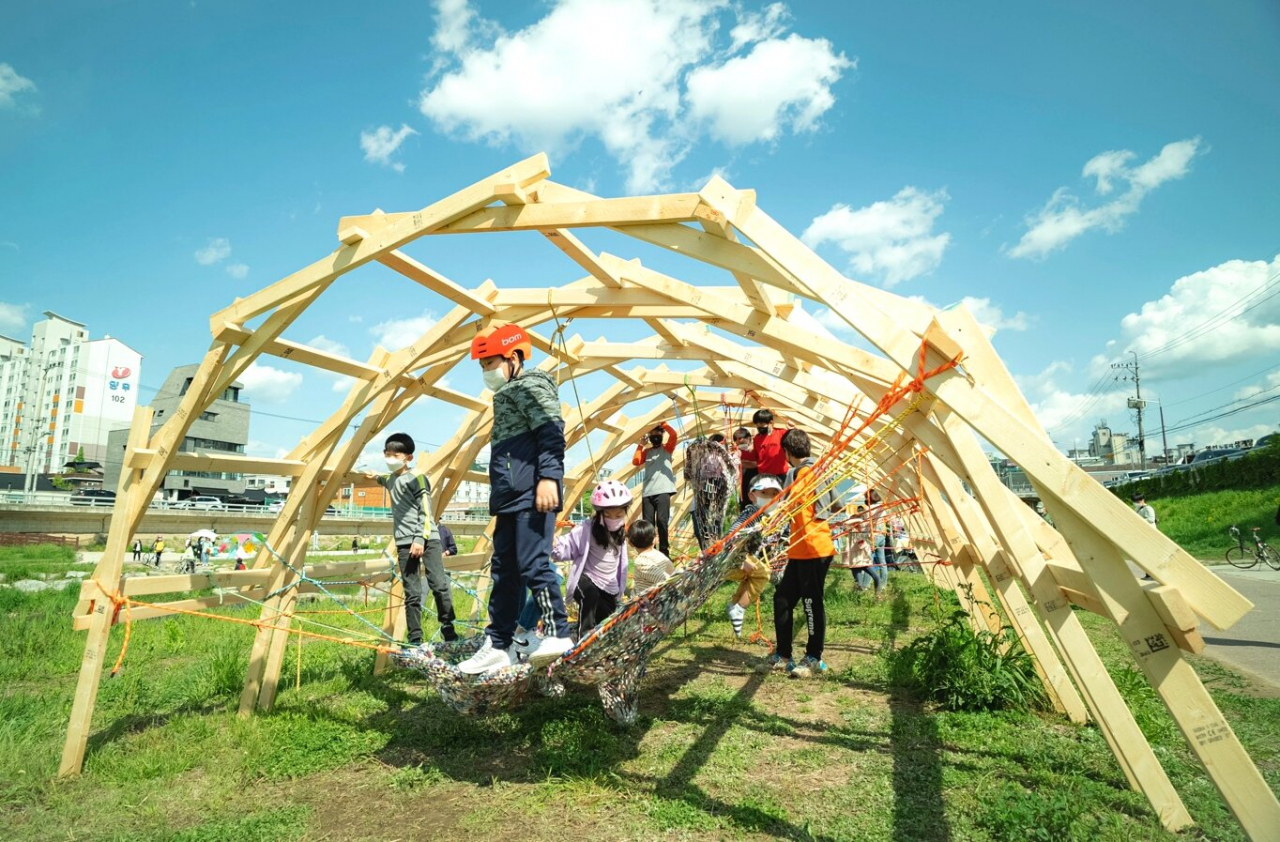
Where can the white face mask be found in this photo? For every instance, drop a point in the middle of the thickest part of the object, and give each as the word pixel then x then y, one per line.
pixel 495 379
pixel 613 524
pixel 394 463
pixel 744 446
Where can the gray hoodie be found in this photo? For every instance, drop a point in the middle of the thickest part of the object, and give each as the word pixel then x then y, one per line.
pixel 410 507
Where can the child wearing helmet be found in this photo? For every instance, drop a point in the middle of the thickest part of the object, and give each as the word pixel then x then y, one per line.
pixel 526 467
pixel 753 574
pixel 596 550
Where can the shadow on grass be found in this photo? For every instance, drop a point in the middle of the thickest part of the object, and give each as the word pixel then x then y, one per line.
pixel 919 814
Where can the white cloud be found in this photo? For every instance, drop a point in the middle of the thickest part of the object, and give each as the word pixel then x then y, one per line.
pixel 11 83
pixel 13 317
pixel 992 318
pixel 1271 382
pixel 383 142
pixel 1064 217
pixel 1059 409
pixel 266 384
pixel 397 333
pixel 1224 314
pixel 616 72
pixel 826 317
pixel 343 384
pixel 892 239
pixel 758 26
pixel 329 346
pixel 1209 435
pixel 790 86
pixel 238 270
pixel 217 250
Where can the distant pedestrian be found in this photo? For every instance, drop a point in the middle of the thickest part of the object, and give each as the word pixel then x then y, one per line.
pixel 448 545
pixel 206 548
pixel 158 549
pixel 137 550
pixel 355 545
pixel 1144 510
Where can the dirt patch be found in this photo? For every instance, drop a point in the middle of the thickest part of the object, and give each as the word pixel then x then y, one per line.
pixel 359 804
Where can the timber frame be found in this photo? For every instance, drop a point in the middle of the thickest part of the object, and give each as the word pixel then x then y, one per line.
pixel 754 354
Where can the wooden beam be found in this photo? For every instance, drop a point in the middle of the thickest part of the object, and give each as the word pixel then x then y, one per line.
pixel 386 238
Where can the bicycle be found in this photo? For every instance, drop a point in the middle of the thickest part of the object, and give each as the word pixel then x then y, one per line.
pixel 1246 557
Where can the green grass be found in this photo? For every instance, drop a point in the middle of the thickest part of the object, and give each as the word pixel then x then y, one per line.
pixel 1199 522
pixel 718 753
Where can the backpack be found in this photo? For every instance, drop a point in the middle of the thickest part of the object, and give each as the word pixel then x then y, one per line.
pixel 827 505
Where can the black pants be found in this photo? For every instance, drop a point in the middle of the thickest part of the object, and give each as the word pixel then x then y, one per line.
pixel 802 583
pixel 748 474
pixel 657 510
pixel 709 500
pixel 521 547
pixel 594 605
pixel 411 575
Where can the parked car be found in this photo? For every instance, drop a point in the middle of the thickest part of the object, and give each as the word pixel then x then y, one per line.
pixel 1209 457
pixel 93 497
pixel 203 504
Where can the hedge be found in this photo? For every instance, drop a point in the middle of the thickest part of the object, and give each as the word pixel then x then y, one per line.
pixel 1257 469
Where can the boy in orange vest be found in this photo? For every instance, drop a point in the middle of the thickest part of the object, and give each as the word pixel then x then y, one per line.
pixel 809 558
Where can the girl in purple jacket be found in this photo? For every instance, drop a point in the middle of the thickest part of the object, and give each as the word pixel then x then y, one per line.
pixel 597 550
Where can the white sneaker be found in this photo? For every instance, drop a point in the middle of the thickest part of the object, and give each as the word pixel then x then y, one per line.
pixel 524 643
pixel 543 650
pixel 487 659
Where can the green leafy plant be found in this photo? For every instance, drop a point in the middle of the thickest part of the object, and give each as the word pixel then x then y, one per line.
pixel 964 670
pixel 1016 815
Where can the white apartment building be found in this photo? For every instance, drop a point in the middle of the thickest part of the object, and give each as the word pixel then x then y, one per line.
pixel 61 392
pixel 268 483
pixel 470 495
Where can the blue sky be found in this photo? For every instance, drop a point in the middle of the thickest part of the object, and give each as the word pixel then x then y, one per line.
pixel 1092 177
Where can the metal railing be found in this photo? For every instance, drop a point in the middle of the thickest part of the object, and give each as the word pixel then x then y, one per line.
pixel 64 502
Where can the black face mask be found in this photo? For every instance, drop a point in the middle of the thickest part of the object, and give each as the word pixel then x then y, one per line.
pixel 655 439
pixel 764 431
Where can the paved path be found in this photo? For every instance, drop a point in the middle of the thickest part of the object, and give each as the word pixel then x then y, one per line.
pixel 1253 644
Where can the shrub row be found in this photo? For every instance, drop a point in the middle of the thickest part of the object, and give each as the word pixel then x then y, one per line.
pixel 1258 469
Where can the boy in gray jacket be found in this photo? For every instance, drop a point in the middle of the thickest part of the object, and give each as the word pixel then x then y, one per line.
pixel 416 538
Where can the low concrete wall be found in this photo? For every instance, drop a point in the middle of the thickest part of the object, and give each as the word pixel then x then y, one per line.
pixel 91 520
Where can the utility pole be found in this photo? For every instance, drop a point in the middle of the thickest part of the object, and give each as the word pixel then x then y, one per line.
pixel 1136 403
pixel 1164 439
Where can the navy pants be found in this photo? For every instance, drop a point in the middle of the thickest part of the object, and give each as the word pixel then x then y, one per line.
pixel 521 547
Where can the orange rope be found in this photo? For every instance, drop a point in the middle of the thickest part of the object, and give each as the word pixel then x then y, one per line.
pixel 123 601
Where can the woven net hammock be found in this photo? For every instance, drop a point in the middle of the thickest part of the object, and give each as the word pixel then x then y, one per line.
pixel 614 656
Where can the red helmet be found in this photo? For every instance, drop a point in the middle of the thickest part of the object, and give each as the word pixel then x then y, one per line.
pixel 501 340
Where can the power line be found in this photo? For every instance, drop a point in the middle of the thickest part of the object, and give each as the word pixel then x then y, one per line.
pixel 1235 411
pixel 1227 386
pixel 313 422
pixel 1219 318
pixel 1191 418
pixel 1224 316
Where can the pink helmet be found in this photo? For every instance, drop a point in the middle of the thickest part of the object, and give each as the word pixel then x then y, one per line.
pixel 610 493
